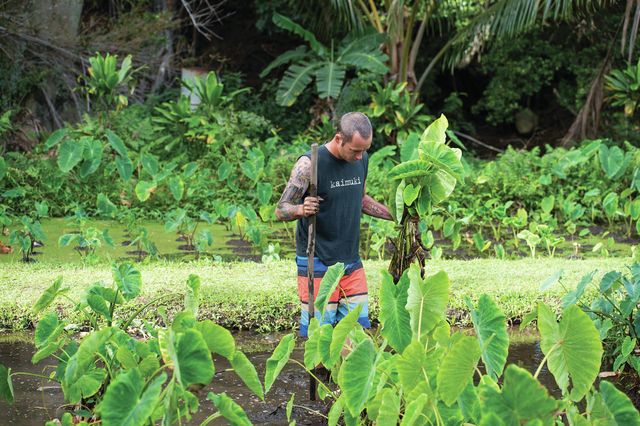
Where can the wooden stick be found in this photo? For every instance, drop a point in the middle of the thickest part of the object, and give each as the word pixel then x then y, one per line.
pixel 311 246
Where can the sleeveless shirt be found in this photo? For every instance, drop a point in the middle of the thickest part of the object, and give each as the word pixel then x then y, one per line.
pixel 340 185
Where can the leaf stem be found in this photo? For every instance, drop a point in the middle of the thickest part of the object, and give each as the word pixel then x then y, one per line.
pixel 535 376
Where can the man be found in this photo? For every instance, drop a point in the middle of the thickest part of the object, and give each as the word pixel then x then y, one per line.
pixel 342 171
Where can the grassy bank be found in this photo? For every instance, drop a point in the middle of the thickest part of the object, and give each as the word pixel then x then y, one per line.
pixel 264 296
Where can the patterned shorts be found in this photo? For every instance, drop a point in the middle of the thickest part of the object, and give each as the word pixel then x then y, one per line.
pixel 352 288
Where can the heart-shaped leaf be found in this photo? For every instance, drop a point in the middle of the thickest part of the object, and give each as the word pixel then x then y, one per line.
pixel 278 360
pixel 394 316
pixel 457 369
pixel 491 326
pixel 125 403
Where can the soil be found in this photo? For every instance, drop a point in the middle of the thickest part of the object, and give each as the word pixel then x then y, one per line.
pixel 181 238
pixel 186 247
pixel 126 243
pixel 137 253
pixel 81 248
pixel 238 243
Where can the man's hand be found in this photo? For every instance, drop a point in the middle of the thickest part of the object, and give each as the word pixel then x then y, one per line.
pixel 311 206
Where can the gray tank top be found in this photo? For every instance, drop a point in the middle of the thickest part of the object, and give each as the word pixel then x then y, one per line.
pixel 340 184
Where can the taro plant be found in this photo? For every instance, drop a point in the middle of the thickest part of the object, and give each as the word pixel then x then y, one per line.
pixel 112 378
pixel 414 371
pixel 615 314
pixel 418 186
pixel 550 241
pixel 27 237
pixel 532 241
pixel 516 222
pixel 86 238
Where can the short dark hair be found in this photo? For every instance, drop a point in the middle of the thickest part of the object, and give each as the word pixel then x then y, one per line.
pixel 353 122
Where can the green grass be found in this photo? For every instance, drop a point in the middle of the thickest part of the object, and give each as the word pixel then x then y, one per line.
pixel 264 297
pixel 165 242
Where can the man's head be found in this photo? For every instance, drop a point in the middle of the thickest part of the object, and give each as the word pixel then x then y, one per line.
pixel 354 136
pixel 352 123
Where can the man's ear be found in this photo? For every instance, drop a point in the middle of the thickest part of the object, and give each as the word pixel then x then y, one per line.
pixel 338 138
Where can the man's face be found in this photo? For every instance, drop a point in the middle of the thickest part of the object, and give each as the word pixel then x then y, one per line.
pixel 353 151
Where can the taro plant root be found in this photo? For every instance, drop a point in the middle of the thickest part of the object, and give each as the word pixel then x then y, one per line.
pixel 118 380
pixel 418 186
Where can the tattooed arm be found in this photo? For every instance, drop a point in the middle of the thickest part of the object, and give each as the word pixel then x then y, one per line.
pixel 374 208
pixel 291 206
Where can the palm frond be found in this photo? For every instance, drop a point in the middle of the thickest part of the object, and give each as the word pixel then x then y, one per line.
pixel 507 18
pixel 289 56
pixel 374 61
pixel 369 39
pixel 287 24
pixel 329 79
pixel 295 80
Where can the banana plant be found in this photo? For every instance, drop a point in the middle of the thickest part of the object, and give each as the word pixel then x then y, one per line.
pixel 327 65
pixel 105 80
pixel 623 88
pixel 418 186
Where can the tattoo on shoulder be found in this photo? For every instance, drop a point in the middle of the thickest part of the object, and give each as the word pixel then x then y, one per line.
pixel 295 189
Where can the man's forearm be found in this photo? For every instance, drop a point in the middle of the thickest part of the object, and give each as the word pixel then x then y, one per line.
pixel 375 209
pixel 287 212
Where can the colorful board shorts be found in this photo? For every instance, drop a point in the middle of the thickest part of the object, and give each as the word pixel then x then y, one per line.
pixel 352 289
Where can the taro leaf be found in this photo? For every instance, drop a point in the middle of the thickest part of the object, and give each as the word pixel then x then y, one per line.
pixel 457 369
pixel 48 349
pixel 448 226
pixel 6 387
pixel 25 243
pixel 443 158
pixel 410 194
pixel 42 208
pixel 105 206
pixel 413 168
pixel 427 301
pixel 128 279
pixel 125 168
pixel 14 193
pixel 413 413
pixel 81 378
pixel 324 346
pixel 551 280
pixel 177 187
pixel 436 132
pixel 574 296
pixel 117 144
pixel 107 238
pixel 572 347
pixel 125 358
pixel 521 399
pixel 423 206
pixel 99 306
pixel 633 288
pixel 48 329
pixel 440 185
pixel 394 317
pixel 389 408
pixel 416 366
pixel 356 375
pixel 610 203
pixel 611 159
pixel 191 358
pixel 206 217
pixel 190 169
pixel 264 193
pixel 229 409
pixel 224 170
pixel 343 328
pixel 150 164
pixel 619 405
pixel 311 354
pixel 247 372
pixel 608 279
pixel 125 403
pixel 328 286
pixel 547 204
pixel 191 298
pixel 399 201
pixel 3 168
pixel 149 366
pixel 92 156
pixel 49 295
pixel 54 138
pixel 144 190
pixel 70 154
pixel 249 169
pixel 278 360
pixel 409 149
pixel 469 403
pixel 491 326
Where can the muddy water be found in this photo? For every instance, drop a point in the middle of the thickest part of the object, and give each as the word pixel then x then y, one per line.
pixel 38 401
